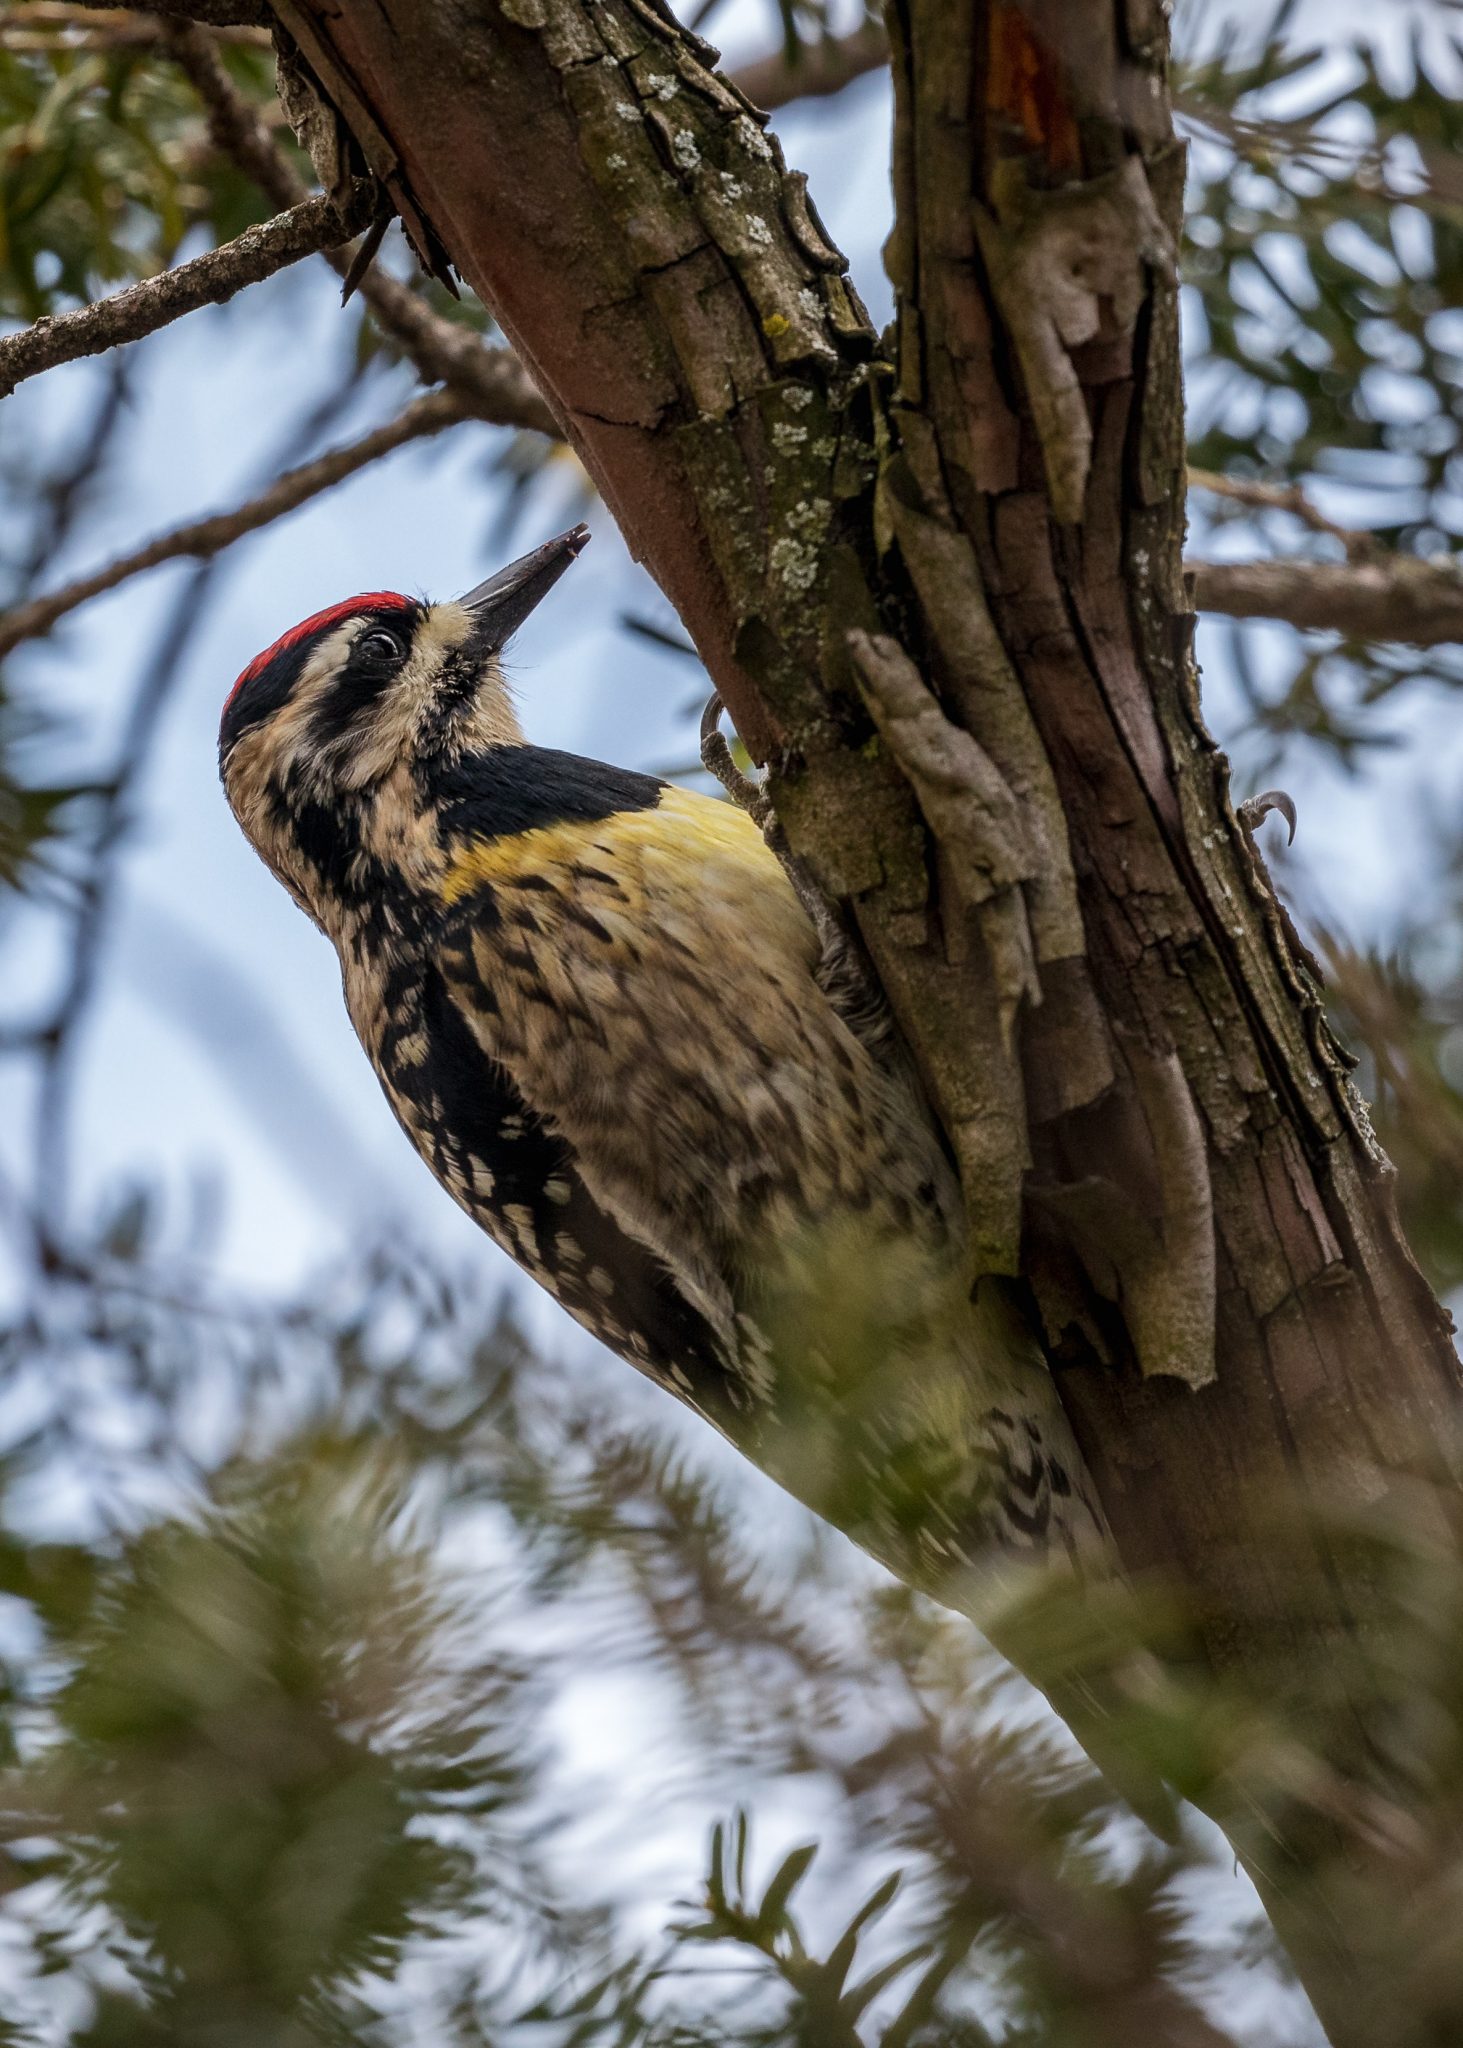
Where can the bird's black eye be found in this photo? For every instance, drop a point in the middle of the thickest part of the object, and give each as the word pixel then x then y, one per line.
pixel 380 645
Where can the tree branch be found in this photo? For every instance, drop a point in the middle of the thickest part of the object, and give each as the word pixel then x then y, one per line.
pixel 202 538
pixel 207 280
pixel 819 70
pixel 1291 498
pixel 1375 595
pixel 490 383
pixel 1396 597
pixel 214 13
pixel 493 386
pixel 71 25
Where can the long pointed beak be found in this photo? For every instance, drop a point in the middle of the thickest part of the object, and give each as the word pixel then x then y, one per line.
pixel 500 606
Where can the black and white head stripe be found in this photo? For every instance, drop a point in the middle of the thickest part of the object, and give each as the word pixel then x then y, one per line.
pixel 267 683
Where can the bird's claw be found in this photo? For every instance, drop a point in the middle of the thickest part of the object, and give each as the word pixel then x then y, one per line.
pixel 752 797
pixel 716 759
pixel 1253 812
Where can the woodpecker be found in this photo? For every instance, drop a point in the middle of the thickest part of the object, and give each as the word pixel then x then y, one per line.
pixel 608 1024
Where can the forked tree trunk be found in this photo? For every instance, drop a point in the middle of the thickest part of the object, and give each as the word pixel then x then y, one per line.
pixel 969 533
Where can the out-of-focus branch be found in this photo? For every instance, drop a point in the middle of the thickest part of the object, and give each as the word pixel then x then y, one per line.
pixel 65 492
pixel 207 280
pixel 1396 597
pixel 216 13
pixel 1291 498
pixel 1304 141
pixel 203 538
pixel 69 25
pixel 1373 595
pixel 819 69
pixel 489 382
pixel 233 121
pixel 59 1039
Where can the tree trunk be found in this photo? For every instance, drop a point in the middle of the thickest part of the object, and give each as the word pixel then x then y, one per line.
pixel 937 580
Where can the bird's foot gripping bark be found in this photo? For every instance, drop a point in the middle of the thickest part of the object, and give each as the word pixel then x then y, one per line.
pixel 752 797
pixel 841 972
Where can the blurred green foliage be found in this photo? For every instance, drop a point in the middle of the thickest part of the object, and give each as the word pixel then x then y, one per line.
pixel 106 165
pixel 293 1733
pixel 1326 251
pixel 286 1742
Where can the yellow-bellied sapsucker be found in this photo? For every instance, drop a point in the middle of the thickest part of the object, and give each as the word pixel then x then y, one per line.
pixel 598 1008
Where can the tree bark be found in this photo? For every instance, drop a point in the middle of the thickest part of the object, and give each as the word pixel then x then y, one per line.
pixel 982 515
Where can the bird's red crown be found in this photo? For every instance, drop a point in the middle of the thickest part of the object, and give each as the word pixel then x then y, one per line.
pixel 319 622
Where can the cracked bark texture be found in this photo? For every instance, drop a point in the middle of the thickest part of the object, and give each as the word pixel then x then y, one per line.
pixel 937 579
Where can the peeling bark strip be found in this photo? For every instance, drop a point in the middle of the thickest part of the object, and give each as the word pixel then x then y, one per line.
pixel 1064 264
pixel 943 596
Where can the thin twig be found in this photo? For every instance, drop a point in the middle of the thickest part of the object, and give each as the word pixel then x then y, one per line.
pixel 1395 597
pixel 490 382
pixel 1291 498
pixel 207 280
pixel 1368 165
pixel 203 538
pixel 819 69
pixel 65 25
pixel 63 495
pixel 212 13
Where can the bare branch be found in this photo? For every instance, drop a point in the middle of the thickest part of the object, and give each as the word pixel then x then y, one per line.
pixel 215 13
pixel 70 25
pixel 1370 162
pixel 819 70
pixel 489 382
pixel 1374 595
pixel 207 280
pixel 1289 498
pixel 1396 597
pixel 203 538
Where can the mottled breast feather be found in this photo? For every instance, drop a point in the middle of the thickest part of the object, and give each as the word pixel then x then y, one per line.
pixel 518 1179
